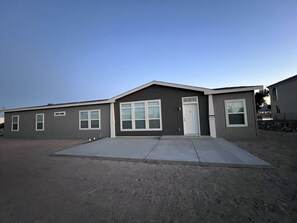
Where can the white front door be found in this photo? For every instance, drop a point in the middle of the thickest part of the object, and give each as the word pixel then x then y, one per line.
pixel 191 118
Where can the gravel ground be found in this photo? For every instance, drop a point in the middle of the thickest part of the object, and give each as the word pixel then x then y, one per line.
pixel 36 187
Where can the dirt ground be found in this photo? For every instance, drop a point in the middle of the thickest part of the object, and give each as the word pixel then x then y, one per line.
pixel 36 187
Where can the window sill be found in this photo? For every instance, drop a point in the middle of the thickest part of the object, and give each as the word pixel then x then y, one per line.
pixel 140 130
pixel 91 129
pixel 235 126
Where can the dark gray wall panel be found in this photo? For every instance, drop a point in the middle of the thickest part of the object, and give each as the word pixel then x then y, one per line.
pixel 63 127
pixel 172 118
pixel 235 132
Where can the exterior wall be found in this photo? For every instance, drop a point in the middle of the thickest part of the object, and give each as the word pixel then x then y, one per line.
pixel 220 116
pixel 60 127
pixel 286 101
pixel 172 117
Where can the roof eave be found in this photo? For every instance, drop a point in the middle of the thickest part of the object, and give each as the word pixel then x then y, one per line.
pixel 234 90
pixel 160 83
pixel 58 106
pixel 283 81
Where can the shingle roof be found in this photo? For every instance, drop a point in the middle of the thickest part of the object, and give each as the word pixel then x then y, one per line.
pixel 206 91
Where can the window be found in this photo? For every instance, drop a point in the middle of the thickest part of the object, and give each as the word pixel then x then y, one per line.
pixel 274 94
pixel 15 123
pixel 126 110
pixel 141 115
pixel 236 113
pixel 154 114
pixel 190 99
pixel 89 119
pixel 61 113
pixel 39 120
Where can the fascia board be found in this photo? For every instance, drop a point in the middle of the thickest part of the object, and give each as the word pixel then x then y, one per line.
pixel 160 83
pixel 57 106
pixel 252 88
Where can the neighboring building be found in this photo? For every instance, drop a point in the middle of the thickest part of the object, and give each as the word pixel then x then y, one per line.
pixel 264 113
pixel 1 120
pixel 153 109
pixel 284 99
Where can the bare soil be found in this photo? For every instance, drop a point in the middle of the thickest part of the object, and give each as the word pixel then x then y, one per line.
pixel 36 187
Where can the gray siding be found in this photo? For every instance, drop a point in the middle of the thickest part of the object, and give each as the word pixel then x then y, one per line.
pixel 172 117
pixel 61 127
pixel 235 132
pixel 286 101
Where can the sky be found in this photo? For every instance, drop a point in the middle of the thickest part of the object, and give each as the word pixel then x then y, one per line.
pixel 55 51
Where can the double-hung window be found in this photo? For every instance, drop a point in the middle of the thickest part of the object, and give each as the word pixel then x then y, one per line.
pixel 154 114
pixel 141 115
pixel 236 115
pixel 15 123
pixel 126 114
pixel 139 111
pixel 89 119
pixel 39 122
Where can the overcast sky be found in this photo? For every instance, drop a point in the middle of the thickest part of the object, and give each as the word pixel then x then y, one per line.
pixel 55 51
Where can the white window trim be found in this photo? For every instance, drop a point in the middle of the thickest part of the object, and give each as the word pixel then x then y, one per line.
pixel 89 119
pixel 18 123
pixel 244 113
pixel 39 122
pixel 146 116
pixel 60 113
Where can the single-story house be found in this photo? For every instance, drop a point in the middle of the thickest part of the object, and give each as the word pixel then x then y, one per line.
pixel 153 109
pixel 283 99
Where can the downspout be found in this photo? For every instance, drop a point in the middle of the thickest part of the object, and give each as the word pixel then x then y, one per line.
pixel 255 113
pixel 112 121
pixel 211 117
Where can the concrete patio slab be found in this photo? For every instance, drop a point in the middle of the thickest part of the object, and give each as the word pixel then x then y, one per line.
pixel 222 151
pixel 189 150
pixel 174 150
pixel 114 148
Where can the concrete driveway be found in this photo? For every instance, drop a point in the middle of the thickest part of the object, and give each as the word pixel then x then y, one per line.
pixel 189 150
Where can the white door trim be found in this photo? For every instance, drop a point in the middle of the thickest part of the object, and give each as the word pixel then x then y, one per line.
pixel 191 102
